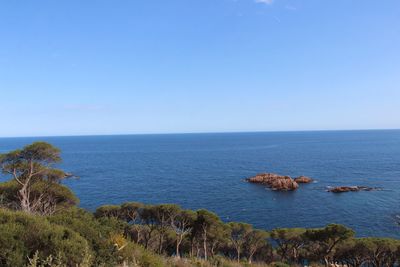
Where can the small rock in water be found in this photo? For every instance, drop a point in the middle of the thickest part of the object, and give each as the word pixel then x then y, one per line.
pixel 344 189
pixel 303 180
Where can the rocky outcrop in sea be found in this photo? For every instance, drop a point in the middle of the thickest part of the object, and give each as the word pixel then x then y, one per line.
pixel 274 181
pixel 344 189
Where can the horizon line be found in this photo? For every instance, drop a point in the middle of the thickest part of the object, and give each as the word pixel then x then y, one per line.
pixel 188 133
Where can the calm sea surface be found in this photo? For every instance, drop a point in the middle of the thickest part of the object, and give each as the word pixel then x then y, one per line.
pixel 207 171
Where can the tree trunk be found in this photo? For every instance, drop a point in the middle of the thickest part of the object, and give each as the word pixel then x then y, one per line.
pixel 252 252
pixel 295 255
pixel 147 237
pixel 212 250
pixel 205 244
pixel 160 246
pixel 326 262
pixel 178 242
pixel 138 236
pixel 191 254
pixel 197 250
pixel 24 198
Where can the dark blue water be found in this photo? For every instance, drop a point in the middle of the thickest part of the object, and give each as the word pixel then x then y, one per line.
pixel 207 171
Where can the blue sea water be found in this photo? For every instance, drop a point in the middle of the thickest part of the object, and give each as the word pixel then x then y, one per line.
pixel 207 171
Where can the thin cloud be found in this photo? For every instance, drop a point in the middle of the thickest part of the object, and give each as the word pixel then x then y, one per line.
pixel 290 7
pixel 82 107
pixel 267 2
pixel 277 19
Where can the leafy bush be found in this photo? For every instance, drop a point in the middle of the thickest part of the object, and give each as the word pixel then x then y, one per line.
pixel 98 233
pixel 148 259
pixel 61 196
pixel 21 235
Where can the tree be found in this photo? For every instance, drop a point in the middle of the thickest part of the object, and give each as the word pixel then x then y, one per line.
pixel 255 240
pixel 109 211
pixel 162 215
pixel 326 239
pixel 204 222
pixel 34 163
pixel 150 222
pixel 238 236
pixel 218 236
pixel 182 224
pixel 47 199
pixel 353 252
pixel 381 251
pixel 130 212
pixel 289 241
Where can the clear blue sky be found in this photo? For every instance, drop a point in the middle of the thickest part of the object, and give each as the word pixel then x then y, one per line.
pixel 119 67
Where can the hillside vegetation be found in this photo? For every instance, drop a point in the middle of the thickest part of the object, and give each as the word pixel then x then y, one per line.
pixel 41 225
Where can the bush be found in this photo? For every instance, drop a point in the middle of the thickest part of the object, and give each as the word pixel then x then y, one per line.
pixel 60 197
pixel 98 233
pixel 145 258
pixel 22 235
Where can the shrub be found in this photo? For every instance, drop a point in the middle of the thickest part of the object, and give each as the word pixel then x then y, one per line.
pixel 22 235
pixel 145 258
pixel 98 233
pixel 58 196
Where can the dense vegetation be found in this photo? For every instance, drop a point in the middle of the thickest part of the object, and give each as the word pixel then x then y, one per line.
pixel 40 225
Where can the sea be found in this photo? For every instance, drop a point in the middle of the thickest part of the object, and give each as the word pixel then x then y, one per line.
pixel 209 170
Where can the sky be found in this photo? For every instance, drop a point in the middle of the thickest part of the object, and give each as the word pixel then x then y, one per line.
pixel 72 67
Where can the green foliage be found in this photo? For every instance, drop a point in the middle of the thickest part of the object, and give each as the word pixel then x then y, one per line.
pixel 108 211
pixel 205 227
pixel 39 154
pixel 207 218
pixel 75 237
pixel 290 241
pixel 239 233
pixel 21 235
pixel 322 242
pixel 130 212
pixel 255 241
pixel 60 196
pixel 375 251
pixel 220 261
pixel 35 180
pixel 96 232
pixel 145 258
pixel 332 233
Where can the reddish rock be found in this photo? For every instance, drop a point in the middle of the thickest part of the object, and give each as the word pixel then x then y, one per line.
pixel 303 180
pixel 274 181
pixel 344 189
